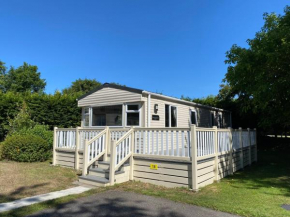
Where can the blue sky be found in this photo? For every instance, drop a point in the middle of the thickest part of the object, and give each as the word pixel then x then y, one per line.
pixel 174 47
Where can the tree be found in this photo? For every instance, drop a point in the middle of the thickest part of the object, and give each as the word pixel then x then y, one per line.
pixel 81 86
pixel 2 75
pixel 25 78
pixel 210 100
pixel 260 75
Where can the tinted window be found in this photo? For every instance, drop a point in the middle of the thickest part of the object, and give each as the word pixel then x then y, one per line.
pixel 166 115
pixel 133 107
pixel 193 117
pixel 132 119
pixel 107 116
pixel 173 116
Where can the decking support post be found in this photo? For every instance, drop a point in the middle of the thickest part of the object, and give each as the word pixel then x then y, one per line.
pixel 85 158
pixel 193 158
pixel 231 151
pixel 54 146
pixel 107 144
pixel 112 163
pixel 250 147
pixel 242 148
pixel 216 159
pixel 77 157
pixel 131 175
pixel 256 147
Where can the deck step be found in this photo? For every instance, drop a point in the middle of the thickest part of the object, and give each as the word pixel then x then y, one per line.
pixel 100 170
pixel 93 180
pixel 104 165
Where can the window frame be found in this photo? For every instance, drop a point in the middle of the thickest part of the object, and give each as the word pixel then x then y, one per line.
pixel 133 111
pixel 190 113
pixel 170 115
pixel 84 114
pixel 220 120
pixel 212 119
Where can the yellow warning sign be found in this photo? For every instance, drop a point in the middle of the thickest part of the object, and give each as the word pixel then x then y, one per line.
pixel 154 166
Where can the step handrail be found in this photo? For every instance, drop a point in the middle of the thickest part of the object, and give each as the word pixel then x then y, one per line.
pixel 125 152
pixel 127 135
pixel 101 148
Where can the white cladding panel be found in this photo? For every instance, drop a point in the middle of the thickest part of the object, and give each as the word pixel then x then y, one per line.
pixel 109 96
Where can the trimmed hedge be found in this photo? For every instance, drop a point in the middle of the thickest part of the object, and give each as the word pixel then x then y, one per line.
pixel 26 148
pixel 53 110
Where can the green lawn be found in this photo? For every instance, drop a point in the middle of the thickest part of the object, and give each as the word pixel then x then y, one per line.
pixel 259 190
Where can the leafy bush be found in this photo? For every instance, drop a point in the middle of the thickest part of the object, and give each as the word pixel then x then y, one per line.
pixel 1 151
pixel 38 130
pixel 22 121
pixel 26 148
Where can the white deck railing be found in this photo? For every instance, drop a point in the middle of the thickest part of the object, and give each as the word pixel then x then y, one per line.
pixel 66 138
pixel 173 142
pixel 162 141
pixel 94 149
pixel 121 151
pixel 192 144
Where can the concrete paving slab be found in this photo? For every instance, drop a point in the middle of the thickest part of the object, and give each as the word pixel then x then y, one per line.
pixel 41 198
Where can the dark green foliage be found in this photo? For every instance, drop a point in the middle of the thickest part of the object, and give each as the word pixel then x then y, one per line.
pixel 26 148
pixel 81 86
pixel 38 130
pixel 25 78
pixel 52 110
pixel 259 76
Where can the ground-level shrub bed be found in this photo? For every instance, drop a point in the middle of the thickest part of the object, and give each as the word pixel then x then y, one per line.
pixel 26 148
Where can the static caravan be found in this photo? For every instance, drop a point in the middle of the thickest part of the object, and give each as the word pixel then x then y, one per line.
pixel 132 134
pixel 117 106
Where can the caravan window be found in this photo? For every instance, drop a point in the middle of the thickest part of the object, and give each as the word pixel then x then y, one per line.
pixel 212 119
pixel 133 114
pixel 107 116
pixel 86 117
pixel 170 116
pixel 193 117
pixel 220 121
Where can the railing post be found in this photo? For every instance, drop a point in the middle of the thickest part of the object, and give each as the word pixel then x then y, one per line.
pixel 242 148
pixel 216 159
pixel 231 151
pixel 77 158
pixel 256 147
pixel 112 163
pixel 106 144
pixel 250 147
pixel 54 146
pixel 131 176
pixel 193 158
pixel 85 158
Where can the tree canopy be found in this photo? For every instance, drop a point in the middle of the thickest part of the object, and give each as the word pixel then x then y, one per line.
pixel 259 75
pixel 81 86
pixel 25 78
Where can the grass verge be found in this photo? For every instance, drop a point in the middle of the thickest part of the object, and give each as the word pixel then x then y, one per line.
pixel 19 180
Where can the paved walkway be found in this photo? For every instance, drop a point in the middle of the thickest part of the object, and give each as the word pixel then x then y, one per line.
pixel 118 203
pixel 41 198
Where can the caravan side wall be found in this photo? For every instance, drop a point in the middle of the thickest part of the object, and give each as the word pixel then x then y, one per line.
pixel 183 114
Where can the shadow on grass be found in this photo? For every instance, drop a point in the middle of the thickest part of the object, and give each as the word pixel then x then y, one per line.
pixel 271 171
pixel 104 207
pixel 21 190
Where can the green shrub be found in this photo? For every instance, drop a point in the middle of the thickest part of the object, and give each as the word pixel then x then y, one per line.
pixel 26 148
pixel 38 130
pixel 1 151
